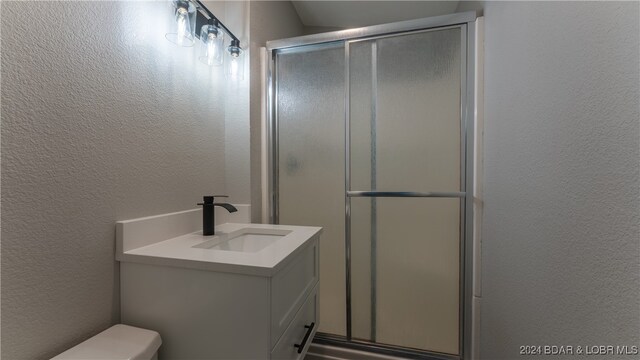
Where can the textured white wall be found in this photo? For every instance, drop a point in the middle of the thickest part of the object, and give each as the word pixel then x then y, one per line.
pixel 561 231
pixel 237 164
pixel 102 120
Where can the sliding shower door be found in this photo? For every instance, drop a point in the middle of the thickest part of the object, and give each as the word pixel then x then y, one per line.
pixel 310 164
pixel 405 142
pixel 369 140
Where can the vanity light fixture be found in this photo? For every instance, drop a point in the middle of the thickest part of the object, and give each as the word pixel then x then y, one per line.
pixel 192 14
pixel 211 40
pixel 182 30
pixel 234 64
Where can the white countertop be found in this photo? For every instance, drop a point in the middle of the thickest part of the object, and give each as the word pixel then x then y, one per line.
pixel 180 251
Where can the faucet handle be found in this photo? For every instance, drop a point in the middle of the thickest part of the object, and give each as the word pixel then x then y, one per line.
pixel 208 200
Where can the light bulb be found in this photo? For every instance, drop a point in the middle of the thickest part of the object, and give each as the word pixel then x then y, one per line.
pixel 234 66
pixel 183 22
pixel 211 48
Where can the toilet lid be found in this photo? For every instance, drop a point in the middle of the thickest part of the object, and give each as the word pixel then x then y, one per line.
pixel 117 342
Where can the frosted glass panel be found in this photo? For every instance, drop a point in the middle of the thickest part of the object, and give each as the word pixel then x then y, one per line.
pixel 415 94
pixel 311 163
pixel 417 272
pixel 405 136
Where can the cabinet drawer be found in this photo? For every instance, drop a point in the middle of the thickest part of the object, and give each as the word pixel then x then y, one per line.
pixel 303 327
pixel 290 287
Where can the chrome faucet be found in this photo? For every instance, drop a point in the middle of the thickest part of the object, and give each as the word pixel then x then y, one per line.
pixel 208 215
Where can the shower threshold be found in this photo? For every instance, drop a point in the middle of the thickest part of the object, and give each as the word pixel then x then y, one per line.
pixel 386 352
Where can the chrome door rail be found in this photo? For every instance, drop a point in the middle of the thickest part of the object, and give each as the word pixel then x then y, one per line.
pixel 373 258
pixel 347 186
pixel 369 31
pixel 405 194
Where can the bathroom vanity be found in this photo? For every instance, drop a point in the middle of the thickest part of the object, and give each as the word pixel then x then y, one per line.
pixel 249 292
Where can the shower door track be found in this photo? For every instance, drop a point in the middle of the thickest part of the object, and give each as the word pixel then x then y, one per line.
pixel 383 349
pixel 465 21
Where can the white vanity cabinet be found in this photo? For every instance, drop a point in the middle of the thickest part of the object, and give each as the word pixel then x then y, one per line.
pixel 209 310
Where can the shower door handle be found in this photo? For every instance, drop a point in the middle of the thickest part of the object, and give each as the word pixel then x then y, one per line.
pixel 453 194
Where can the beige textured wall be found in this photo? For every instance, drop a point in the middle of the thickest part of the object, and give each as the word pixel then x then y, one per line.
pixel 237 165
pixel 102 120
pixel 561 225
pixel 308 30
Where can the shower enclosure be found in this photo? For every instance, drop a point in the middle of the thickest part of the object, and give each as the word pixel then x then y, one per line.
pixel 371 137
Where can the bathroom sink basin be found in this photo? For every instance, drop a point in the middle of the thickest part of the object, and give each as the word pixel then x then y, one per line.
pixel 176 240
pixel 248 240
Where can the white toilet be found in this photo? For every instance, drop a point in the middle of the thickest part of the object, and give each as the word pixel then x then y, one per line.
pixel 119 342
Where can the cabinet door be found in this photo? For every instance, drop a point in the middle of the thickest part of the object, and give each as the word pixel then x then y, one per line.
pixel 290 287
pixel 295 341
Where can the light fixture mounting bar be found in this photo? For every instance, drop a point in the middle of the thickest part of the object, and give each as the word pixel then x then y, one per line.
pixel 211 16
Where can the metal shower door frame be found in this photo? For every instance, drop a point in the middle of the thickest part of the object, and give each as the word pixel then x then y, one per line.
pixel 466 22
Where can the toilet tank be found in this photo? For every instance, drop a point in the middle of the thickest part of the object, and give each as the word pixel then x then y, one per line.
pixel 119 342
